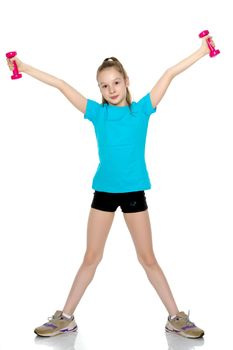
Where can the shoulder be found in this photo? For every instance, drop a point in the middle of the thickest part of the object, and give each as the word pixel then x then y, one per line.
pixel 145 104
pixel 93 109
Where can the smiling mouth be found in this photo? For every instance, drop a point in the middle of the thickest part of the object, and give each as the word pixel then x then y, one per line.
pixel 113 97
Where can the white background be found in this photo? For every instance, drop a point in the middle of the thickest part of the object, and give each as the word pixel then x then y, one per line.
pixel 48 157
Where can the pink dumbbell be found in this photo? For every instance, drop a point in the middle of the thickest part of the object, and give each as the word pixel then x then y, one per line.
pixel 213 52
pixel 16 74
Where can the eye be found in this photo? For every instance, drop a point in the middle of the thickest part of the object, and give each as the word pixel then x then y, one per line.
pixel 117 82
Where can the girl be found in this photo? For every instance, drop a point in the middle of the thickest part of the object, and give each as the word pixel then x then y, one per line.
pixel 120 180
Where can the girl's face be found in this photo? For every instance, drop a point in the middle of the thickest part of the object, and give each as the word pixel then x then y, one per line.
pixel 113 86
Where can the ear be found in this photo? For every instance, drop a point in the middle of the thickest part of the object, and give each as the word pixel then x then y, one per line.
pixel 127 83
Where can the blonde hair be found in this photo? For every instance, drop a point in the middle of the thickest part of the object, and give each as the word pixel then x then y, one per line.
pixel 118 66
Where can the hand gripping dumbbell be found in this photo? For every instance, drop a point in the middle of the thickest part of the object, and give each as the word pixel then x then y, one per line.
pixel 213 51
pixel 16 74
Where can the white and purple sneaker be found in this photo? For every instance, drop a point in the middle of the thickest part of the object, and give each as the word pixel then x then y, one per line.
pixel 181 325
pixel 58 324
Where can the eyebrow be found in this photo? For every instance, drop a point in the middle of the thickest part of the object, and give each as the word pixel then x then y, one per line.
pixel 102 83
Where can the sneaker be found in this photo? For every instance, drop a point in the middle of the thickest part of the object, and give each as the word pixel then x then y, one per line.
pixel 58 324
pixel 181 325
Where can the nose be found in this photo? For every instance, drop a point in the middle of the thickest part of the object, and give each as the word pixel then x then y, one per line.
pixel 111 89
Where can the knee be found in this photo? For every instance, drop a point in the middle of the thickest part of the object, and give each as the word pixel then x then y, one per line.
pixel 148 261
pixel 92 259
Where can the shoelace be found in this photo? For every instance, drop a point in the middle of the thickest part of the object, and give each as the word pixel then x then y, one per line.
pixel 60 317
pixel 189 323
pixel 54 318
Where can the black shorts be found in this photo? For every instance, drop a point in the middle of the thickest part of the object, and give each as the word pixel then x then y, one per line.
pixel 130 202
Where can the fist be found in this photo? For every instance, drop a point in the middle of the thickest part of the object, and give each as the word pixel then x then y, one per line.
pixel 204 46
pixel 18 62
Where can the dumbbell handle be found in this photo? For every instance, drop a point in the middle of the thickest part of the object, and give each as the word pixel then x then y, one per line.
pixel 213 51
pixel 16 74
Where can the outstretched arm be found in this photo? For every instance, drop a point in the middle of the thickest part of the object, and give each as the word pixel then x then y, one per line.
pixel 68 91
pixel 161 86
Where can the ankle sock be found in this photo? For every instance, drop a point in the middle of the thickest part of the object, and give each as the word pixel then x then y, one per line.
pixel 66 315
pixel 172 317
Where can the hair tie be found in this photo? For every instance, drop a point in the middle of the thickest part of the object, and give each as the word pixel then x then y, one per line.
pixel 112 59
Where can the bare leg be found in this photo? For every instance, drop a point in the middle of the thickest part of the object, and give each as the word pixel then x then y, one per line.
pixel 140 230
pixel 99 224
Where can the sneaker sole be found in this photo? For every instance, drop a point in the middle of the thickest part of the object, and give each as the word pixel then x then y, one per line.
pixel 61 331
pixel 180 333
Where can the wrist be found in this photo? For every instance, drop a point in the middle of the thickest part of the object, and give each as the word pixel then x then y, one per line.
pixel 202 52
pixel 24 68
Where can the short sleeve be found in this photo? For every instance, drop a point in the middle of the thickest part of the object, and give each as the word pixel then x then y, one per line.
pixel 145 105
pixel 92 110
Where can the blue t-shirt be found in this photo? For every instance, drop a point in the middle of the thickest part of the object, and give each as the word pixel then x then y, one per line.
pixel 121 138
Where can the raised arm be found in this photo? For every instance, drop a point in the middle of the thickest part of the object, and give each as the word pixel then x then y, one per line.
pixel 68 91
pixel 161 86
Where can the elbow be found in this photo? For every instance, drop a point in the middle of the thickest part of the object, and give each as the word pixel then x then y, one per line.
pixel 61 85
pixel 170 73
